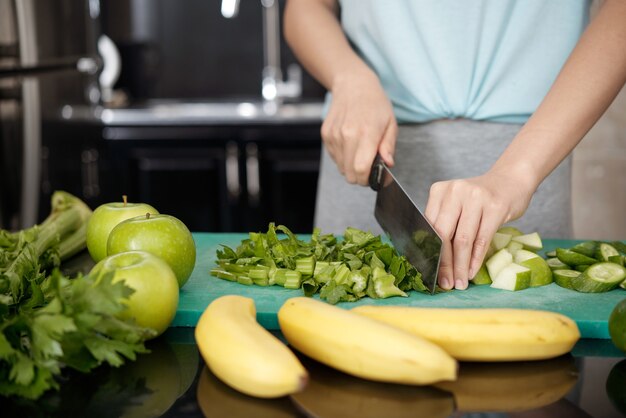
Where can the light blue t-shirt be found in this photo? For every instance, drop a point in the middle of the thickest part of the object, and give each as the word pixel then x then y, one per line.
pixel 476 59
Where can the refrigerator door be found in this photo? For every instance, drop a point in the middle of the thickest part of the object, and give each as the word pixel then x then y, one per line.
pixel 47 60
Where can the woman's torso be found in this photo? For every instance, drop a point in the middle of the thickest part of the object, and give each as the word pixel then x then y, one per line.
pixel 476 59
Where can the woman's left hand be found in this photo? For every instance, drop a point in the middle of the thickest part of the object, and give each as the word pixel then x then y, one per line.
pixel 467 213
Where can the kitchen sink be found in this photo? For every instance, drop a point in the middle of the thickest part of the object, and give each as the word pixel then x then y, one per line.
pixel 199 113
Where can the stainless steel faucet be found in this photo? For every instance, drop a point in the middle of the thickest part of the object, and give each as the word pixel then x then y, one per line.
pixel 273 88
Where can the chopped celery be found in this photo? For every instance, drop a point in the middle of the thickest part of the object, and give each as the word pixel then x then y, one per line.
pixel 340 270
pixel 244 280
pixel 305 265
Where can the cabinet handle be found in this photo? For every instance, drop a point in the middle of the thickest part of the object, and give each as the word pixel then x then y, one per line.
pixel 232 171
pixel 253 182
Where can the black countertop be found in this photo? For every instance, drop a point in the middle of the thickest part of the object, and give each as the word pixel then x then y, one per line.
pixel 173 381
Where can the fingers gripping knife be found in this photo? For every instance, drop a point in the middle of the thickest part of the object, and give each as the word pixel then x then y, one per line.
pixel 409 231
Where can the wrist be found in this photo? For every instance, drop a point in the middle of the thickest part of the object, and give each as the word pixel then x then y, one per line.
pixel 355 74
pixel 520 174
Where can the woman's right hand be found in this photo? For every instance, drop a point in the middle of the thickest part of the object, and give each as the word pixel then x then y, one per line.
pixel 360 123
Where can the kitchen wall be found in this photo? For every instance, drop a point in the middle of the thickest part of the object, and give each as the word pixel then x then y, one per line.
pixel 599 177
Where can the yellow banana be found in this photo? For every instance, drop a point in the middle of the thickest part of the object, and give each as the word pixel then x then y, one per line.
pixel 510 387
pixel 243 354
pixel 360 346
pixel 484 334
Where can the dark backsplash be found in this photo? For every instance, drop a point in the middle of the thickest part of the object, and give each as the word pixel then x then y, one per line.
pixel 188 50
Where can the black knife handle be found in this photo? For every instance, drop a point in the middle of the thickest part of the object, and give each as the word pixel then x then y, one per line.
pixel 376 173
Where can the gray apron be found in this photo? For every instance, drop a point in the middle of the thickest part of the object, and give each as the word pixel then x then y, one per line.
pixel 443 150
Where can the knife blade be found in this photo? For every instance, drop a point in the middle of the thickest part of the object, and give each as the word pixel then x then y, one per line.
pixel 405 225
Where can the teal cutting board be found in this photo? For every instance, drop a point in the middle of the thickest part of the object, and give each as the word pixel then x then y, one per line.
pixel 590 311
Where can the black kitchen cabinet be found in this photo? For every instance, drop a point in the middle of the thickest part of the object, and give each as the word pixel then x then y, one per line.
pixel 213 178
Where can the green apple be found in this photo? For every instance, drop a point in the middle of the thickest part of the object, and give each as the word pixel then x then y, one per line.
pixel 500 240
pixel 540 272
pixel 162 235
pixel 155 298
pixel 530 242
pixel 104 219
pixel 497 262
pixel 512 277
pixel 482 277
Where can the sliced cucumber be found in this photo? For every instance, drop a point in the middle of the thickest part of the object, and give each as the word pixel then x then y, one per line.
pixel 551 254
pixel 619 246
pixel 556 264
pixel 529 241
pixel 600 277
pixel 564 277
pixel 572 258
pixel 498 261
pixel 482 277
pixel 587 248
pixel 618 259
pixel 605 251
pixel 512 277
pixel 582 267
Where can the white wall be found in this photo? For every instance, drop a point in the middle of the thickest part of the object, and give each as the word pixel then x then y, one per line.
pixel 599 177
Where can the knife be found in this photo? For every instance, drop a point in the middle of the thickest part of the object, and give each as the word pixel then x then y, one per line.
pixel 409 231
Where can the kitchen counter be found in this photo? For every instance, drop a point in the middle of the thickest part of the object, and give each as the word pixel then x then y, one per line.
pixel 198 113
pixel 172 381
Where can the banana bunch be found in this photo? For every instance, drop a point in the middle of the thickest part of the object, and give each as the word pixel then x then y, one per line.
pixel 484 334
pixel 243 354
pixel 361 346
pixel 409 345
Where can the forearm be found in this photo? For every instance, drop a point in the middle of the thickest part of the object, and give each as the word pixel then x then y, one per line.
pixel 587 84
pixel 313 32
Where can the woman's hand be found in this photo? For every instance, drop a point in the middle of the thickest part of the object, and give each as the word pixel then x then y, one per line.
pixel 467 213
pixel 360 123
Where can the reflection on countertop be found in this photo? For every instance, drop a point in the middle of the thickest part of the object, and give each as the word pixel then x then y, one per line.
pixel 172 112
pixel 173 381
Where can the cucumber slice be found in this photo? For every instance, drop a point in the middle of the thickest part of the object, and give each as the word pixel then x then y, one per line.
pixel 556 264
pixel 564 277
pixel 619 246
pixel 530 241
pixel 482 277
pixel 587 248
pixel 498 261
pixel 618 259
pixel 500 240
pixel 600 277
pixel 551 254
pixel 573 258
pixel 582 267
pixel 512 277
pixel 605 251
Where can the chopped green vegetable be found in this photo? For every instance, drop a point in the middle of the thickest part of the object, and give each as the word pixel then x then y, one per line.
pixel 48 320
pixel 600 277
pixel 340 270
